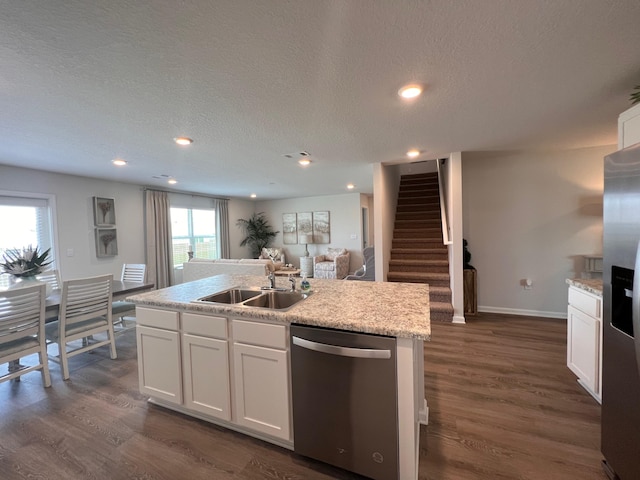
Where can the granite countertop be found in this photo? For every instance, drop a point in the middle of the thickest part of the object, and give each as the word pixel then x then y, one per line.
pixel 383 308
pixel 591 285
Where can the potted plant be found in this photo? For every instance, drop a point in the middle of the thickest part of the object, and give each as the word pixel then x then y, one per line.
pixel 23 265
pixel 258 233
pixel 635 96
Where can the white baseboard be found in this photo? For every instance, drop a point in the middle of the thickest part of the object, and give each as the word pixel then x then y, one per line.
pixel 458 319
pixel 523 312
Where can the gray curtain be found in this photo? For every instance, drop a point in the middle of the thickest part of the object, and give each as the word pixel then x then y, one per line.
pixel 222 228
pixel 158 233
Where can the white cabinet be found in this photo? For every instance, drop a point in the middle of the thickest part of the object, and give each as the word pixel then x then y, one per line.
pixel 629 127
pixel 215 368
pixel 205 364
pixel 261 378
pixel 584 339
pixel 158 340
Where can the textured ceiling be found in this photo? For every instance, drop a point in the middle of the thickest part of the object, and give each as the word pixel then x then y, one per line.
pixel 85 81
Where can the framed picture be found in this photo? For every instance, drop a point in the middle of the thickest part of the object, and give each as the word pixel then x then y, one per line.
pixel 305 224
pixel 104 212
pixel 289 228
pixel 106 242
pixel 321 227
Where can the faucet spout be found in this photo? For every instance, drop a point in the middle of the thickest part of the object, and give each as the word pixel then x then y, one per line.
pixel 272 279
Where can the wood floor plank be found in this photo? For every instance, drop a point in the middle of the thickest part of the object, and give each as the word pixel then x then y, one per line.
pixel 503 406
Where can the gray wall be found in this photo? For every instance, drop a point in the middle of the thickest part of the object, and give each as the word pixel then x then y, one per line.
pixel 74 218
pixel 531 215
pixel 344 217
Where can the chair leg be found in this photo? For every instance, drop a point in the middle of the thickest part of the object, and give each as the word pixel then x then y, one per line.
pixel 64 362
pixel 112 344
pixel 44 360
pixel 14 366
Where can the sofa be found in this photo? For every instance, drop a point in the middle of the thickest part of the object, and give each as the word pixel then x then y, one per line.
pixel 198 268
pixel 333 264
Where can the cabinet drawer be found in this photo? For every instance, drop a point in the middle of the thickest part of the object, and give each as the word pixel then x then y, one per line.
pixel 263 334
pixel 152 317
pixel 589 304
pixel 215 327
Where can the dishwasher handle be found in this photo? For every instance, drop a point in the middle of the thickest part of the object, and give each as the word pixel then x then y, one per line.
pixel 341 351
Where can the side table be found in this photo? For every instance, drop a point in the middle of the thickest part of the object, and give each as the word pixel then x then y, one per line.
pixel 306 266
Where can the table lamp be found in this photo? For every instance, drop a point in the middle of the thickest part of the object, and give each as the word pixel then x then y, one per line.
pixel 306 238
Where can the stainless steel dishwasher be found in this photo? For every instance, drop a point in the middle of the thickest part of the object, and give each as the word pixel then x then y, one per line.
pixel 344 393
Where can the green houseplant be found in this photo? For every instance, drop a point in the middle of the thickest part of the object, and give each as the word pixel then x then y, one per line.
pixel 635 96
pixel 258 233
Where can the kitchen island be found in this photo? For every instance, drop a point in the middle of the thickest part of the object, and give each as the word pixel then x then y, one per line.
pixel 231 364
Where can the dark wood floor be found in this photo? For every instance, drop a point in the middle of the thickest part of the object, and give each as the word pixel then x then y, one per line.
pixel 502 403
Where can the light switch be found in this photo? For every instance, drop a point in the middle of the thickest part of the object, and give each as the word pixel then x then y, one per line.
pixel 354 236
pixel 70 252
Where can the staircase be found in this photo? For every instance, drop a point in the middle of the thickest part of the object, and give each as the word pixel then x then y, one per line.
pixel 418 254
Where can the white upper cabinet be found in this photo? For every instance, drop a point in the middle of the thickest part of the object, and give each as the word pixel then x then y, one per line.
pixel 629 127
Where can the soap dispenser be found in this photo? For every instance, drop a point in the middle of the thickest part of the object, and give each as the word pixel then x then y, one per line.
pixel 305 286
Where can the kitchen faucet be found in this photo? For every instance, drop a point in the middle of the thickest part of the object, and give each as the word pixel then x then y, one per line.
pixel 272 279
pixel 292 281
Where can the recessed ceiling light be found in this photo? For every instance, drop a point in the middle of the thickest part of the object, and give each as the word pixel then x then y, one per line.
pixel 172 181
pixel 183 141
pixel 253 195
pixel 351 186
pixel 119 162
pixel 413 153
pixel 410 91
pixel 304 162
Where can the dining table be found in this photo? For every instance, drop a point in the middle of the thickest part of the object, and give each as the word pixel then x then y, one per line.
pixel 120 291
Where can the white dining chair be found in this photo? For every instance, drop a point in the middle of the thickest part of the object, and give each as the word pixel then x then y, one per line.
pixel 85 311
pixel 131 272
pixel 51 278
pixel 22 331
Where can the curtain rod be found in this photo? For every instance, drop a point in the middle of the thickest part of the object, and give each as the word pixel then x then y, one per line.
pixel 182 192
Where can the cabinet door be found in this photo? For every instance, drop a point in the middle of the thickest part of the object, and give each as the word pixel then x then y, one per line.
pixel 206 375
pixel 583 348
pixel 262 389
pixel 159 363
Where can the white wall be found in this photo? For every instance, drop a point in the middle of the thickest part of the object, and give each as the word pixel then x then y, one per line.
pixel 344 217
pixel 531 215
pixel 74 218
pixel 386 182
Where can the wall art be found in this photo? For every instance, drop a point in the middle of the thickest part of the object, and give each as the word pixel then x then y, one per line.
pixel 104 212
pixel 289 228
pixel 106 242
pixel 321 227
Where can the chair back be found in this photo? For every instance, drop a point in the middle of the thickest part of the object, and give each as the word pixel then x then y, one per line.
pixel 84 299
pixel 51 277
pixel 133 272
pixel 21 313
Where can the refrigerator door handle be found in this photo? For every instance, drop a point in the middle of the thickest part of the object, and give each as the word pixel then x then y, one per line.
pixel 635 307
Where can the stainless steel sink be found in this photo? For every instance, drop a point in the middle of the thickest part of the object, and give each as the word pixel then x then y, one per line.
pixel 276 300
pixel 272 298
pixel 233 295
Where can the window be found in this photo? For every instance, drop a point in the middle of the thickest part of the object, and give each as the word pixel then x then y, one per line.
pixel 30 217
pixel 193 228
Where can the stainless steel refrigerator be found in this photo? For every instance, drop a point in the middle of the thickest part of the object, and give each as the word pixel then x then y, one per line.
pixel 621 328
